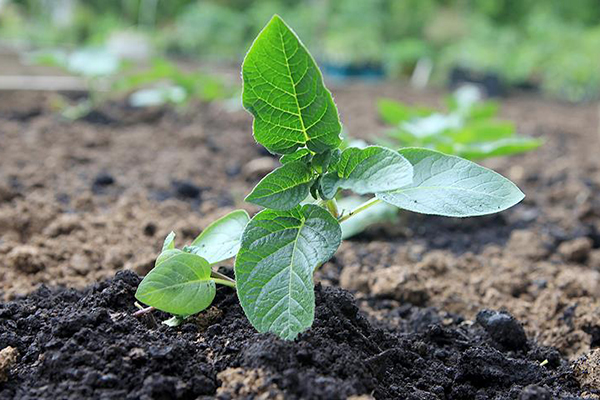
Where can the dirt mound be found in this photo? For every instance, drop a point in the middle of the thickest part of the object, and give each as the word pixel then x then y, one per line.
pixel 86 344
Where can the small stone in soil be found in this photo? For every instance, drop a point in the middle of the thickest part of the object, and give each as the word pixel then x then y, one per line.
pixel 103 179
pixel 503 328
pixel 8 357
pixel 233 170
pixel 186 189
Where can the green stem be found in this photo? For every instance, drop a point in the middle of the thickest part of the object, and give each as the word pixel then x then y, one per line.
pixel 360 208
pixel 218 275
pixel 224 282
pixel 331 206
pixel 143 311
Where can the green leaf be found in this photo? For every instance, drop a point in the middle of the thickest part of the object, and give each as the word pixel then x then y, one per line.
pixel 320 162
pixel 452 186
pixel 303 155
pixel 369 170
pixel 487 109
pixel 284 90
pixel 284 188
pixel 502 147
pixel 394 112
pixel 180 285
pixel 169 242
pixel 221 239
pixel 165 255
pixel 274 268
pixel 482 131
pixel 174 321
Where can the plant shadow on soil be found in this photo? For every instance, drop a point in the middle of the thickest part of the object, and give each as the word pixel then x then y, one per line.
pixel 86 344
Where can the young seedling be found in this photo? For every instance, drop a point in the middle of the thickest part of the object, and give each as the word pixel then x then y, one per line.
pixel 281 247
pixel 165 82
pixel 470 129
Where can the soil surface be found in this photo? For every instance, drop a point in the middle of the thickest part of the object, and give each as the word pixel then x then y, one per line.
pixel 87 344
pixel 81 200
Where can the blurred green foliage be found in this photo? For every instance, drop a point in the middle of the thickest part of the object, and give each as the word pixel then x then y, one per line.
pixel 470 129
pixel 554 44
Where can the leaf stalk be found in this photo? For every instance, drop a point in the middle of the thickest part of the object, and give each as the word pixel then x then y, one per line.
pixel 359 209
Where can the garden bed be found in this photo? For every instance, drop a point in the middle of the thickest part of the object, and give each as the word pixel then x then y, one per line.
pixel 82 200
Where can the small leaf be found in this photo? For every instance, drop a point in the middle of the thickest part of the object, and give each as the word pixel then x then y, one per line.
pixel 284 188
pixel 284 90
pixel 432 125
pixel 221 239
pixel 303 155
pixel 169 242
pixel 274 268
pixel 394 112
pixel 502 147
pixel 174 321
pixel 485 110
pixel 180 285
pixel 369 170
pixel 452 186
pixel 320 162
pixel 482 131
pixel 165 255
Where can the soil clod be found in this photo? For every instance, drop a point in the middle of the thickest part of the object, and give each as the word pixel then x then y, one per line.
pixel 503 328
pixel 8 358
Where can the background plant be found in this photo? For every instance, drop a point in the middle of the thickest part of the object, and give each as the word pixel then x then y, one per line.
pixel 470 128
pixel 282 246
pixel 554 45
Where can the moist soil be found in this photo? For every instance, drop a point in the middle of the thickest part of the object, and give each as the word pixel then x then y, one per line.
pixel 505 306
pixel 88 345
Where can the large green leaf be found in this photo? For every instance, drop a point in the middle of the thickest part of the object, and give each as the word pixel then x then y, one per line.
pixel 369 170
pixel 179 285
pixel 274 268
pixel 284 188
pixel 284 90
pixel 221 239
pixel 452 186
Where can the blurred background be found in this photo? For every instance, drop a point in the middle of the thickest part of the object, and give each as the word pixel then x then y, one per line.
pixel 547 46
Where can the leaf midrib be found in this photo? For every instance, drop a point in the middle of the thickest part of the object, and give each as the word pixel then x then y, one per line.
pixel 176 286
pixel 441 187
pixel 287 64
pixel 292 266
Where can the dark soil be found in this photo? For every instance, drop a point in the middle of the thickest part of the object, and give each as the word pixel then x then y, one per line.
pixel 87 344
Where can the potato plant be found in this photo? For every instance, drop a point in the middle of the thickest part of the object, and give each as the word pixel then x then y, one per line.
pixel 279 249
pixel 470 129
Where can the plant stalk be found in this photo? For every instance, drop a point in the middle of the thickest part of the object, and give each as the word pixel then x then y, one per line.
pixel 331 206
pixel 218 275
pixel 360 208
pixel 224 282
pixel 143 311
